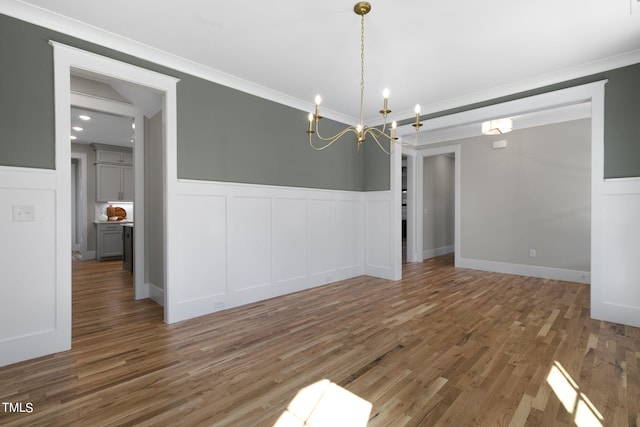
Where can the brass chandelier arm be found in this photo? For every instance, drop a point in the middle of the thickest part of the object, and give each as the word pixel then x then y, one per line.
pixel 375 133
pixel 338 135
pixel 330 140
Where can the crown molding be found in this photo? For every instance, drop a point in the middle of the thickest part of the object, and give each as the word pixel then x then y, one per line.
pixel 567 74
pixel 56 22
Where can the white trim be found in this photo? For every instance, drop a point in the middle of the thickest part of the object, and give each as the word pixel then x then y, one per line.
pixel 156 294
pixel 63 24
pixel 537 82
pixel 550 273
pixel 454 149
pixel 537 118
pixel 414 175
pixel 66 59
pixel 558 98
pixel 593 93
pixel 56 22
pixel 82 157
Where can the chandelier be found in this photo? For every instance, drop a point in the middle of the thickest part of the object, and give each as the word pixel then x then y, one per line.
pixel 361 130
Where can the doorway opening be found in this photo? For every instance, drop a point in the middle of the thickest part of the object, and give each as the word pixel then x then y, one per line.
pixel 139 84
pixel 438 205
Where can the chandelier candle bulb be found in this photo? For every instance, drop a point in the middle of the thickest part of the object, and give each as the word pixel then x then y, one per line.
pixel 385 103
pixel 318 101
pixel 417 123
pixel 394 125
pixel 310 131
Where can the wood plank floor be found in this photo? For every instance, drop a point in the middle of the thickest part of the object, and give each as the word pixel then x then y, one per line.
pixel 444 346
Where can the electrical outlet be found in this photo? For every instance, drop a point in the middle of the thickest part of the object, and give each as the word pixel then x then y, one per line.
pixel 532 253
pixel 24 213
pixel 218 304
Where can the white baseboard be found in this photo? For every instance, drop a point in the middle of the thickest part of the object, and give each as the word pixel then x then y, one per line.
pixel 156 294
pixel 443 250
pixel 526 270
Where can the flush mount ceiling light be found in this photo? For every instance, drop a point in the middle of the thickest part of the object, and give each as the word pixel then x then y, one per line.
pixel 497 127
pixel 84 117
pixel 360 130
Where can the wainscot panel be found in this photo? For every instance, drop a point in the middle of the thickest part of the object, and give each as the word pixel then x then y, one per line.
pixel 241 243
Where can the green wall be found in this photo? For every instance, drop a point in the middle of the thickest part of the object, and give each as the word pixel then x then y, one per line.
pixel 621 115
pixel 223 134
pixel 228 135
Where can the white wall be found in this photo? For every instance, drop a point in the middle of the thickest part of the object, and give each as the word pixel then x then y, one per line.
pixel 532 195
pixel 154 212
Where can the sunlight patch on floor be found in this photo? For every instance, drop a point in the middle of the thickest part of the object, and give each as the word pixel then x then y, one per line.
pixel 585 414
pixel 325 404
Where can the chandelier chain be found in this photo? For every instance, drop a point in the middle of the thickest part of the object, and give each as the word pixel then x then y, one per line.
pixel 361 66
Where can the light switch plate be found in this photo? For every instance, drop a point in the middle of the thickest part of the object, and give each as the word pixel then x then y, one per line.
pixel 24 213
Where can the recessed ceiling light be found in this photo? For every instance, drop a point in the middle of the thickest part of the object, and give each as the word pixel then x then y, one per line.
pixel 84 117
pixel 73 137
pixel 77 128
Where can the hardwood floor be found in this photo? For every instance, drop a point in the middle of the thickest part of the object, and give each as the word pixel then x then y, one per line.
pixel 442 346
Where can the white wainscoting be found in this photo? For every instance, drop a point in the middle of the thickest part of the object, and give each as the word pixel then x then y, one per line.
pixel 383 256
pixel 33 301
pixel 616 297
pixel 237 243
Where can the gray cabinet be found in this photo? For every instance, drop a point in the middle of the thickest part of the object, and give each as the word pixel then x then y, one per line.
pixel 114 173
pixel 108 241
pixel 114 183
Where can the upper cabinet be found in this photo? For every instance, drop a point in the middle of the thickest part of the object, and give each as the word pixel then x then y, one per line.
pixel 123 157
pixel 114 173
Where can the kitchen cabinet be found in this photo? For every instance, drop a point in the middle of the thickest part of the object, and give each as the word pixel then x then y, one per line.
pixel 127 247
pixel 114 173
pixel 108 240
pixel 114 182
pixel 109 156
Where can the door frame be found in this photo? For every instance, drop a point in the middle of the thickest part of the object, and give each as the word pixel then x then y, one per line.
pixel 591 92
pixel 66 60
pixel 81 201
pixel 415 199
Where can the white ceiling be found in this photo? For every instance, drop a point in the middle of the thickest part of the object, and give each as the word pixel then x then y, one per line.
pixel 103 128
pixel 441 54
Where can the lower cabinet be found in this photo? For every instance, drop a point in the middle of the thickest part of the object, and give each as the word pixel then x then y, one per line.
pixel 127 247
pixel 108 241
